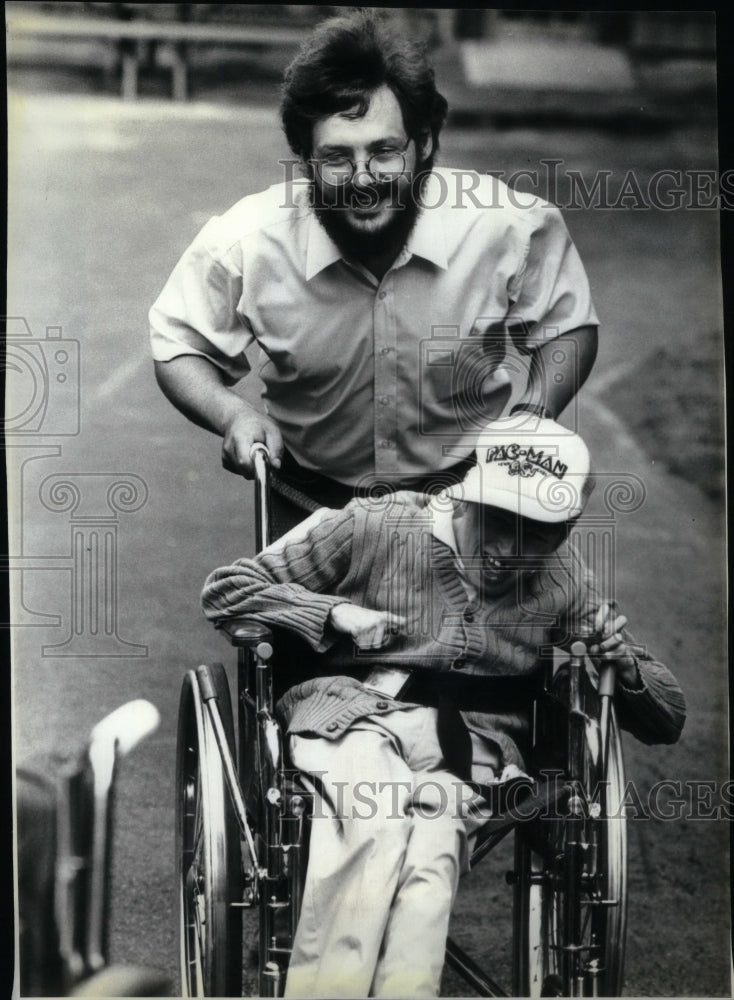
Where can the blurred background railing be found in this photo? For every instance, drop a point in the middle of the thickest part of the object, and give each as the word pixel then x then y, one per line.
pixel 495 64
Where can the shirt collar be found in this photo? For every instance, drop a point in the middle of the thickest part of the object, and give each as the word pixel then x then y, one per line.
pixel 321 251
pixel 426 239
pixel 442 529
pixel 442 526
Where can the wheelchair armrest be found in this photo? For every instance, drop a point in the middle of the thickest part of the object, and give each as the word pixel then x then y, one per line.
pixel 244 632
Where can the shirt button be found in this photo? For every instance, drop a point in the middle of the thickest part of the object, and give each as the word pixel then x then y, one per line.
pixel 384 444
pixel 332 727
pixel 384 350
pixel 382 705
pixel 382 295
pixel 384 400
pixel 459 663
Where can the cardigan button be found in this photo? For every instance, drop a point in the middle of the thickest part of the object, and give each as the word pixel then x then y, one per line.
pixel 382 705
pixel 459 663
pixel 468 615
pixel 332 727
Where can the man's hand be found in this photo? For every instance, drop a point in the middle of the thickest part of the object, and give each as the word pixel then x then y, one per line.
pixel 369 629
pixel 612 647
pixel 198 389
pixel 241 432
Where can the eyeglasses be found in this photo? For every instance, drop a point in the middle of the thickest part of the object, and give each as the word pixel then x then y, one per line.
pixel 385 165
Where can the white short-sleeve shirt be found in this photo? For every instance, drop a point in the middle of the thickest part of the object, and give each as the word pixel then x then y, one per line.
pixel 391 378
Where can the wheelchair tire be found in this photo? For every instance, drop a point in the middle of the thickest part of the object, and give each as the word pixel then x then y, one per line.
pixel 540 969
pixel 207 849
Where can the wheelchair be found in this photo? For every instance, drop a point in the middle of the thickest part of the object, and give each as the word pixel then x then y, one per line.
pixel 242 825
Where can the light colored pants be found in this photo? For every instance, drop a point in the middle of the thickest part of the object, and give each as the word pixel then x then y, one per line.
pixel 388 843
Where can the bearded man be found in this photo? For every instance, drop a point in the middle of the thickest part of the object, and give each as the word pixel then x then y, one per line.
pixel 382 291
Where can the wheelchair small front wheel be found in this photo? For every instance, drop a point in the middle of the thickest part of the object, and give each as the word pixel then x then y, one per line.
pixel 207 849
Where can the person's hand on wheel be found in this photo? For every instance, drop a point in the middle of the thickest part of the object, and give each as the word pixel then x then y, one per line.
pixel 612 645
pixel 369 629
pixel 242 431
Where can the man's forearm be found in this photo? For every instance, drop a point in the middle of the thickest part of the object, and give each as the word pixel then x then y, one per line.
pixel 196 387
pixel 559 368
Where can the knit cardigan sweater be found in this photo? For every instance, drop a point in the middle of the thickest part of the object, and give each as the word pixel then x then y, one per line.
pixel 383 555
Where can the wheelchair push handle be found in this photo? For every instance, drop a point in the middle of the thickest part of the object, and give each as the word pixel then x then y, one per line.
pixel 607 672
pixel 578 650
pixel 259 455
pixel 260 458
pixel 607 676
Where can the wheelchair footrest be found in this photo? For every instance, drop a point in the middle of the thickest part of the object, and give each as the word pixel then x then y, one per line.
pixel 509 807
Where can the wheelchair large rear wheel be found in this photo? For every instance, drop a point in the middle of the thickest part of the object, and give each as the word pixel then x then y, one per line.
pixel 588 960
pixel 209 868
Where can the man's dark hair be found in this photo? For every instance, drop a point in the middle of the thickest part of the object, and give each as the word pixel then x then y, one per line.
pixel 343 62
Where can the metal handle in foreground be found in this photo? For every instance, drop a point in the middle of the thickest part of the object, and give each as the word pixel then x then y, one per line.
pixel 260 457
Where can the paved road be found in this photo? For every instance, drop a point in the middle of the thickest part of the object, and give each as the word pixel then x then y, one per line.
pixel 103 198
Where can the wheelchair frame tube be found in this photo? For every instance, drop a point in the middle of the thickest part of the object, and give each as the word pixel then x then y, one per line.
pixel 210 699
pixel 607 680
pixel 255 694
pixel 261 463
pixel 572 957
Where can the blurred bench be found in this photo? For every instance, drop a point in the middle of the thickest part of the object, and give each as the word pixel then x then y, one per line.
pixel 127 35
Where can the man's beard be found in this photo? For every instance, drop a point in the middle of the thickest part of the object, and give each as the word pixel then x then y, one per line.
pixel 356 244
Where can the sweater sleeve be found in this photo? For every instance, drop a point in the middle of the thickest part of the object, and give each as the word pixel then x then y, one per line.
pixel 655 711
pixel 292 584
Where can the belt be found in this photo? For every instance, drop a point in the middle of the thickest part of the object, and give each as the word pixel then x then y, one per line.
pixel 469 694
pixel 450 695
pixel 472 693
pixel 299 484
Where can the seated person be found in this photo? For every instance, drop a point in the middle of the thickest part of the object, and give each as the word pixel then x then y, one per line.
pixel 460 591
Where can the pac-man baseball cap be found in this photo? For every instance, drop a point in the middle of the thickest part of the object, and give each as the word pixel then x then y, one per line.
pixel 537 470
